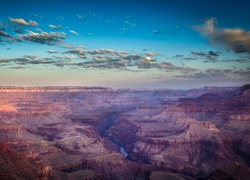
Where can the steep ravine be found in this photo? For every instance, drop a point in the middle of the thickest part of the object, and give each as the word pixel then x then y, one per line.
pixel 122 137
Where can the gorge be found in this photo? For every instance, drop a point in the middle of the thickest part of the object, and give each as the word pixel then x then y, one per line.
pixel 105 133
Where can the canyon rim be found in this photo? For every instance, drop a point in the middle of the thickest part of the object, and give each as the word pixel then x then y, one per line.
pixel 105 133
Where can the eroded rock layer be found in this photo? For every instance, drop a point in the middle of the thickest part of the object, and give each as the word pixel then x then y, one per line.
pixel 104 133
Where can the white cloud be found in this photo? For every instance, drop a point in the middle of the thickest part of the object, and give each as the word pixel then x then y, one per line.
pixel 65 57
pixel 80 16
pixel 148 58
pixel 235 39
pixel 22 22
pixel 52 51
pixel 150 54
pixel 207 28
pixel 73 32
pixel 55 27
pixel 44 38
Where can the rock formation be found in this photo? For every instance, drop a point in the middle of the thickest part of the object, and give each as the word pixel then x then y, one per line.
pixel 104 133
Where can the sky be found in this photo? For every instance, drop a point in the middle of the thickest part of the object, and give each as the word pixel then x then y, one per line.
pixel 179 44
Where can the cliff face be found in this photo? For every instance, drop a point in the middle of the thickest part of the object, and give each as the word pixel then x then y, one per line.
pixel 72 132
pixel 232 171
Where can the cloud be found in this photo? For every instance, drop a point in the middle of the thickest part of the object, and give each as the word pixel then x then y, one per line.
pixel 150 54
pixel 121 52
pixel 73 32
pixel 72 46
pixel 45 61
pixel 186 69
pixel 241 60
pixel 235 39
pixel 189 58
pixel 198 75
pixel 18 67
pixel 20 61
pixel 51 38
pixel 4 34
pixel 62 64
pixel 18 30
pixel 213 53
pixel 30 56
pixel 108 62
pixel 217 74
pixel 80 16
pixel 55 27
pixel 212 72
pixel 40 61
pixel 27 59
pixel 77 51
pixel 178 55
pixel 37 16
pixel 130 56
pixel 129 23
pixel 60 18
pixel 13 39
pixel 107 50
pixel 95 51
pixel 5 60
pixel 146 63
pixel 4 37
pixel 65 57
pixel 96 58
pixel 198 53
pixel 110 59
pixel 156 31
pixel 80 51
pixel 167 66
pixel 170 67
pixel 210 55
pixel 22 22
pixel 52 51
pixel 100 51
pixel 172 30
pixel 207 28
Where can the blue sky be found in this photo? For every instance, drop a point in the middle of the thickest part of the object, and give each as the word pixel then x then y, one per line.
pixel 137 44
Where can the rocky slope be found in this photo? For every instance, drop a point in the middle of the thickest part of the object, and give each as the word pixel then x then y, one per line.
pixel 104 133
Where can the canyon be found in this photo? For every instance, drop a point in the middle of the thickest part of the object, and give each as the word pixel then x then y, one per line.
pixel 106 133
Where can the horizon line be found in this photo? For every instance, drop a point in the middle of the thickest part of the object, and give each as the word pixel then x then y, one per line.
pixel 106 87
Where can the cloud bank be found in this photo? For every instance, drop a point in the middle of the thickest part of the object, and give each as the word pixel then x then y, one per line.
pixel 235 39
pixel 51 38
